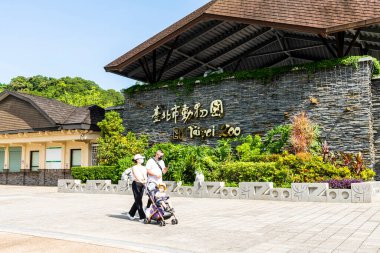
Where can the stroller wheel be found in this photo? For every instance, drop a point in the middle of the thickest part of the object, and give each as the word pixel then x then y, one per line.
pixel 161 223
pixel 173 222
pixel 176 221
pixel 146 221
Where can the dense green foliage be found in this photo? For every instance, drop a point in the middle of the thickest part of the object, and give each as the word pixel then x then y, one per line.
pixel 263 74
pixel 113 145
pixel 281 169
pixel 112 173
pixel 74 91
pixel 288 169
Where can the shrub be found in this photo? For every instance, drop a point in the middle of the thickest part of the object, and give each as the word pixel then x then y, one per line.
pixel 276 139
pixel 97 173
pixel 251 146
pixel 367 174
pixel 266 158
pixel 303 133
pixel 313 170
pixel 235 172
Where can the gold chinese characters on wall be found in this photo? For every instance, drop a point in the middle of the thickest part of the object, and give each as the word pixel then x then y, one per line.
pixel 185 114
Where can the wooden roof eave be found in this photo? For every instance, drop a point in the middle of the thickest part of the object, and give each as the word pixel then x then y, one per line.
pixel 354 25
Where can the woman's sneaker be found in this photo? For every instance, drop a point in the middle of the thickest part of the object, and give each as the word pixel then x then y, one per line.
pixel 130 217
pixel 142 220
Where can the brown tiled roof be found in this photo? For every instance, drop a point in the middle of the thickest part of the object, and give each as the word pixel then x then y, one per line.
pixel 59 112
pixel 317 16
pixel 327 15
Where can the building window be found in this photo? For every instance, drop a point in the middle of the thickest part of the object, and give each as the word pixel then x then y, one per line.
pixel 2 157
pixel 94 154
pixel 53 158
pixel 76 158
pixel 15 159
pixel 34 160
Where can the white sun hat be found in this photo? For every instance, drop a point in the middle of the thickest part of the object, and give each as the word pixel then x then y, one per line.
pixel 138 156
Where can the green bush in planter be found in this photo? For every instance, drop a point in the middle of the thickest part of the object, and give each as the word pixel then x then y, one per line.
pixel 97 173
pixel 235 172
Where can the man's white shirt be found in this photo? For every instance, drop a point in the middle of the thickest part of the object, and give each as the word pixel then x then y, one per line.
pixel 152 166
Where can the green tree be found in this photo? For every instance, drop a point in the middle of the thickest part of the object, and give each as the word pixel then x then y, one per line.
pixel 113 145
pixel 72 90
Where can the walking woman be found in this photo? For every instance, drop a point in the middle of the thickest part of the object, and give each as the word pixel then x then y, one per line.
pixel 139 176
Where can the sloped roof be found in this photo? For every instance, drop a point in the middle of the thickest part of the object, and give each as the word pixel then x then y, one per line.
pixel 319 17
pixel 58 112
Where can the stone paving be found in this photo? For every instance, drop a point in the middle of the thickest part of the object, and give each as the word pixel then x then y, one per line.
pixel 205 225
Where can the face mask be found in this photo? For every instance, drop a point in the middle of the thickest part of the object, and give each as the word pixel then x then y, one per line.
pixel 140 161
pixel 160 157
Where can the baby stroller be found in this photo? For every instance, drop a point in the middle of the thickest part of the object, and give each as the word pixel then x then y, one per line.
pixel 156 212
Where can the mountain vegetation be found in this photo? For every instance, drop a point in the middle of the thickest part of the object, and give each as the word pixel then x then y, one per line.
pixel 71 90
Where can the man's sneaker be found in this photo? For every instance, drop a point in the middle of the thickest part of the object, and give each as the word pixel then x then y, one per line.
pixel 130 217
pixel 142 220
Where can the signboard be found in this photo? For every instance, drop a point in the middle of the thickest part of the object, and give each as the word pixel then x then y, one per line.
pixel 187 115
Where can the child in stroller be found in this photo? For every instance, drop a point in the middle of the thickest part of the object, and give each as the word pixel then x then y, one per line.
pixel 161 209
pixel 162 199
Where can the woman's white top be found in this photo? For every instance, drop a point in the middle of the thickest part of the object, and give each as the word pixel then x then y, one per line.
pixel 139 174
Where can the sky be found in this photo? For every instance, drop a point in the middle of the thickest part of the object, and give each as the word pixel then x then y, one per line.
pixel 58 38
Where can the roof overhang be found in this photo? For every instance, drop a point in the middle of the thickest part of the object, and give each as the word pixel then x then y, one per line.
pixel 209 39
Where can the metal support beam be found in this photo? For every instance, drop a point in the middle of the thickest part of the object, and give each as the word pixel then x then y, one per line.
pixel 277 61
pixel 208 28
pixel 236 45
pixel 282 41
pixel 148 70
pixel 353 41
pixel 288 50
pixel 241 56
pixel 328 46
pixel 154 59
pixel 339 38
pixel 363 49
pixel 145 71
pixel 209 44
pixel 189 57
pixel 167 59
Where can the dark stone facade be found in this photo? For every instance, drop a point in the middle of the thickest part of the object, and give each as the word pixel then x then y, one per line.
pixel 345 104
pixel 40 178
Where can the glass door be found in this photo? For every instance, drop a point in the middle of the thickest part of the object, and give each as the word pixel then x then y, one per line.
pixel 34 160
pixel 76 158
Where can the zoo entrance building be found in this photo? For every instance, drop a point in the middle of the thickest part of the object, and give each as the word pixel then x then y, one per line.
pixel 236 35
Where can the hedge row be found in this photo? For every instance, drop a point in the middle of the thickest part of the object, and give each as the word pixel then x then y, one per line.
pixel 112 173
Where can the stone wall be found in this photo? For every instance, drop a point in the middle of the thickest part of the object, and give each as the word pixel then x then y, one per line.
pixel 41 177
pixel 343 109
pixel 376 123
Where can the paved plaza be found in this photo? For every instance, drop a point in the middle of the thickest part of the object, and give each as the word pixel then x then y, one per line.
pixel 39 219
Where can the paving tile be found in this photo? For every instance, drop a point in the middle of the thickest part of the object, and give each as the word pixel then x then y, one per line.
pixel 205 225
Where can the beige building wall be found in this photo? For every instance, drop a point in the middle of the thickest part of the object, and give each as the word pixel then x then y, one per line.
pixel 65 139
